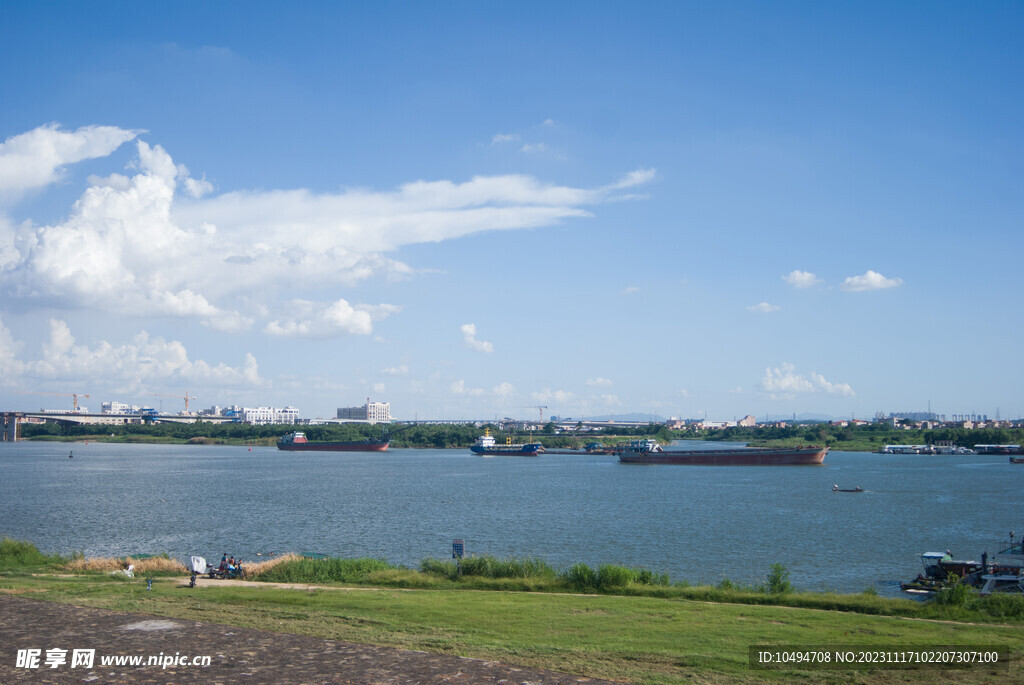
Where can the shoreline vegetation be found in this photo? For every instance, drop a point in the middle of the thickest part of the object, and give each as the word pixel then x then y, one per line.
pixel 610 622
pixel 868 438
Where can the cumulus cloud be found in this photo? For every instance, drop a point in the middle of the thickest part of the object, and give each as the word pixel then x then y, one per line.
pixel 156 241
pixel 12 368
pixel 503 390
pixel 786 383
pixel 38 157
pixel 871 280
pixel 469 335
pixel 533 147
pixel 306 319
pixel 596 382
pixel 763 308
pixel 547 395
pixel 504 138
pixel 145 359
pixel 631 290
pixel 401 370
pixel 801 279
pixel 459 388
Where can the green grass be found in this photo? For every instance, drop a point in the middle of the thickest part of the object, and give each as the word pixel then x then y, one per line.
pixel 639 639
pixel 613 622
pixel 24 556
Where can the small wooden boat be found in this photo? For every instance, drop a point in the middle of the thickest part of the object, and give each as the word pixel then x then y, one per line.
pixel 836 488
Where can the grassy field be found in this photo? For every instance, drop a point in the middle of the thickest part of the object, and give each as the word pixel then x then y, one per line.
pixel 640 632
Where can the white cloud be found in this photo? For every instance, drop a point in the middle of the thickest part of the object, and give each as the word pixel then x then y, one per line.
pixel 459 388
pixel 871 280
pixel 37 158
pixel 533 147
pixel 548 122
pixel 763 308
pixel 326 320
pixel 631 290
pixel 598 381
pixel 547 395
pixel 801 279
pixel 503 390
pixel 785 383
pixel 504 138
pixel 144 359
pixel 469 335
pixel 401 370
pixel 154 241
pixel 634 178
pixel 611 400
pixel 12 368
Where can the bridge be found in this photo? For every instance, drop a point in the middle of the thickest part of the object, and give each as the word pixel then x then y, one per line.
pixel 13 419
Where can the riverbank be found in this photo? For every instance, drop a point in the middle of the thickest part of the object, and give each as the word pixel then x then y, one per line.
pixel 634 639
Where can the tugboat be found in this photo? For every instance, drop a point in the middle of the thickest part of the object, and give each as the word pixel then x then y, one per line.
pixel 486 446
pixel 1002 573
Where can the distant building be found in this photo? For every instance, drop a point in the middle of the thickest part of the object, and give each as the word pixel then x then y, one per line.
pixel 118 408
pixel 371 412
pixel 268 415
pixel 748 421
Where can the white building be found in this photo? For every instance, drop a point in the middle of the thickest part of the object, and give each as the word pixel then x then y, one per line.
pixel 265 415
pixel 118 408
pixel 371 412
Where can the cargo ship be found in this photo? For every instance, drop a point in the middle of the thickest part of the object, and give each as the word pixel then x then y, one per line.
pixel 486 446
pixel 297 442
pixel 649 452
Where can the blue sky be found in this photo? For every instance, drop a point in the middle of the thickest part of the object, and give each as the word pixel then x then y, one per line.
pixel 470 209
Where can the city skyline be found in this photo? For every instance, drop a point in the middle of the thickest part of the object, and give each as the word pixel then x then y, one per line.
pixel 468 211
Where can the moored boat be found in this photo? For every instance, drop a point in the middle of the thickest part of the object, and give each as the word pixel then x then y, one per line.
pixel 297 442
pixel 649 452
pixel 486 446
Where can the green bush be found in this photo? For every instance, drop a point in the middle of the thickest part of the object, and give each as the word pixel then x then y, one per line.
pixel 777 582
pixel 329 570
pixel 440 567
pixel 581 578
pixel 16 554
pixel 954 596
pixel 490 567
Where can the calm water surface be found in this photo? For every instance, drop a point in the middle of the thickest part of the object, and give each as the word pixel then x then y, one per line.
pixel 696 523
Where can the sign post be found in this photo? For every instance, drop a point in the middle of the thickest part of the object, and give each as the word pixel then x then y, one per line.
pixel 458 550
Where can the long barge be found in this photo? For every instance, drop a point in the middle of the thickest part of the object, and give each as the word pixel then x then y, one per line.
pixel 297 442
pixel 649 452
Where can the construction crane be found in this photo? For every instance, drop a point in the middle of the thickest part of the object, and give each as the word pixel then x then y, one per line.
pixel 538 407
pixel 186 398
pixel 75 395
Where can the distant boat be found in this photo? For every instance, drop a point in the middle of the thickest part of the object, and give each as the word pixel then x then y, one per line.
pixel 836 488
pixel 71 454
pixel 649 452
pixel 297 442
pixel 486 446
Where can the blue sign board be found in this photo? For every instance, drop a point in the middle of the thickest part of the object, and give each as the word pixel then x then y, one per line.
pixel 458 548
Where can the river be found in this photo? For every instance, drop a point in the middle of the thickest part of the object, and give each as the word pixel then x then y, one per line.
pixel 696 523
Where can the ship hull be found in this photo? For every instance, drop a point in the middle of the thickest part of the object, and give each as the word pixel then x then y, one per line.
pixel 743 457
pixel 360 446
pixel 503 451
